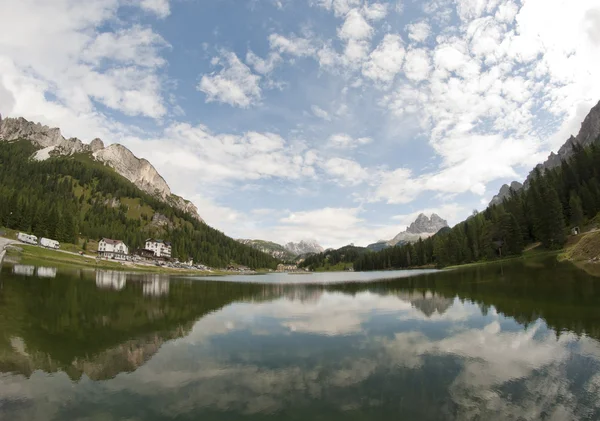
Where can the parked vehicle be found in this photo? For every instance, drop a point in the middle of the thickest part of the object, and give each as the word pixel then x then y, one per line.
pixel 27 238
pixel 50 244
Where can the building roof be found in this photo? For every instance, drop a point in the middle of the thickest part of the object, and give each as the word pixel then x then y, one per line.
pixel 109 241
pixel 152 240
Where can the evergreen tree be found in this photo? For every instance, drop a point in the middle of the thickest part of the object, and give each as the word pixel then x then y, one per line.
pixel 576 209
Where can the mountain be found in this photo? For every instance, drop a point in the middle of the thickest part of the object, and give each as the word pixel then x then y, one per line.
pixel 505 192
pixel 139 171
pixel 304 247
pixel 423 227
pixel 378 246
pixel 588 133
pixel 268 247
pixel 76 198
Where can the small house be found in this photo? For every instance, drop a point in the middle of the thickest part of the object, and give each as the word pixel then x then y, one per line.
pixel 575 231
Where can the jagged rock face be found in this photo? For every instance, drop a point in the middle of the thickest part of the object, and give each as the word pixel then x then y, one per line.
pixel 96 145
pixel 303 247
pixel 42 136
pixel 505 192
pixel 588 134
pixel 139 171
pixel 423 227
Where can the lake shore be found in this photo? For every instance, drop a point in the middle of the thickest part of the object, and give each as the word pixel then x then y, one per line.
pixel 37 256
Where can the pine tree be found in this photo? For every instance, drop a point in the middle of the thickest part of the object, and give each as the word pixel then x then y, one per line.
pixel 576 209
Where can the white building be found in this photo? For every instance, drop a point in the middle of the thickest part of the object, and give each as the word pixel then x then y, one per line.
pixel 112 249
pixel 160 248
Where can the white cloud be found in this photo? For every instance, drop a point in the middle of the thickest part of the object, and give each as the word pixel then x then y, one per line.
pixel 355 27
pixel 418 32
pixel 135 45
pixel 339 7
pixel 386 60
pixel 159 7
pixel 375 11
pixel 344 141
pixel 345 171
pixel 263 66
pixel 234 84
pixel 320 112
pixel 295 46
pixel 78 62
pixel 417 65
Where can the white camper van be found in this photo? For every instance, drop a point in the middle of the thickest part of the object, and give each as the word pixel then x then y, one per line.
pixel 50 244
pixel 27 238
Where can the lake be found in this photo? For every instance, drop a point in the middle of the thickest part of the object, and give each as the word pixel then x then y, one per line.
pixel 510 341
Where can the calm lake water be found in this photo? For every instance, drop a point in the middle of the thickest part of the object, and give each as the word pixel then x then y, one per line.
pixel 516 341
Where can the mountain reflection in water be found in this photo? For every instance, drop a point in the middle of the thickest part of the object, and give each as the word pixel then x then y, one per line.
pixel 516 341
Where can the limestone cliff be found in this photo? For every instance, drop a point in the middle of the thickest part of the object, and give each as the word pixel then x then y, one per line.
pixel 137 170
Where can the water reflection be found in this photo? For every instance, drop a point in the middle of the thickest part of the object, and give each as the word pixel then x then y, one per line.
pixel 111 279
pixel 45 272
pixel 507 342
pixel 23 270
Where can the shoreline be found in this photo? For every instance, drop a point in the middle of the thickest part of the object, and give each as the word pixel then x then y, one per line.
pixel 38 256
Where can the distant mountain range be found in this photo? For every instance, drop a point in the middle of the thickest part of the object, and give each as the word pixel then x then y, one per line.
pixel 288 252
pixel 304 247
pixel 588 133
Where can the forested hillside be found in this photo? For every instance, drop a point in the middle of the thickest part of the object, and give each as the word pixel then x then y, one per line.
pixel 559 198
pixel 332 258
pixel 70 197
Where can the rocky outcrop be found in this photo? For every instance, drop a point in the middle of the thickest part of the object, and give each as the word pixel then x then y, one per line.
pixel 588 134
pixel 423 227
pixel 304 247
pixel 139 171
pixel 505 191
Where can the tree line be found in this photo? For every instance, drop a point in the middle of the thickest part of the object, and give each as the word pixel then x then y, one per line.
pixel 555 199
pixel 67 198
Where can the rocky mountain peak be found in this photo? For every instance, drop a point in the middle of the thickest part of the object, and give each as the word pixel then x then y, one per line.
pixel 303 247
pixel 139 171
pixel 504 192
pixel 423 224
pixel 423 227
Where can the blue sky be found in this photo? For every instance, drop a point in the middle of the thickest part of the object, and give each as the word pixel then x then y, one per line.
pixel 338 120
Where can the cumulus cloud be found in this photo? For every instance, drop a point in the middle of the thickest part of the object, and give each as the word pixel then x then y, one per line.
pixel 234 84
pixel 263 66
pixel 375 11
pixel 418 32
pixel 344 141
pixel 79 62
pixel 345 171
pixel 320 112
pixel 295 46
pixel 417 64
pixel 159 7
pixel 386 60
